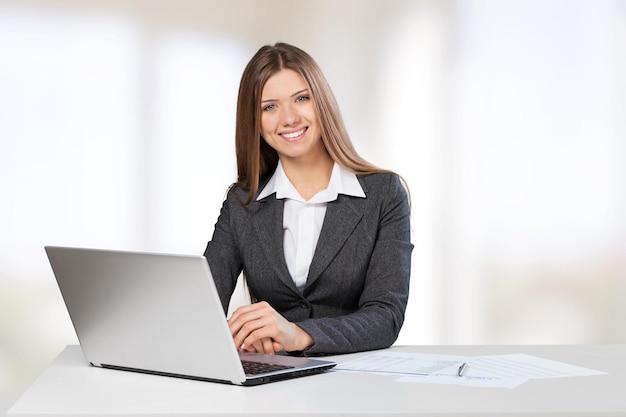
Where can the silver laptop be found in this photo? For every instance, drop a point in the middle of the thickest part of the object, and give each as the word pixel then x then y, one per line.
pixel 159 314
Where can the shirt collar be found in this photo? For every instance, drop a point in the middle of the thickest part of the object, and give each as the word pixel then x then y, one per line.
pixel 341 181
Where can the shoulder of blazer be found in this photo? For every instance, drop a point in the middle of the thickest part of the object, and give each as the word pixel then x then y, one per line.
pixel 376 181
pixel 237 196
pixel 237 193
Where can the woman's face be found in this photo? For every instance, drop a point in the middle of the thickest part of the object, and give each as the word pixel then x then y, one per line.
pixel 288 118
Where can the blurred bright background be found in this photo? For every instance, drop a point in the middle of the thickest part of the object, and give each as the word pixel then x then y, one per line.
pixel 506 118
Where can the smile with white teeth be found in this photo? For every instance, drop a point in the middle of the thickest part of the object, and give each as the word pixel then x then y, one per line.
pixel 293 135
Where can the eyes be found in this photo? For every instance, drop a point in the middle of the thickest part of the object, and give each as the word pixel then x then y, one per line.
pixel 269 107
pixel 303 98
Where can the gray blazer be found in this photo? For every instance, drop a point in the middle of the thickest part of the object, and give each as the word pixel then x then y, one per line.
pixel 358 283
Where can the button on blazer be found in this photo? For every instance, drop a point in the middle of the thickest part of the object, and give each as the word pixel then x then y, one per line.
pixel 358 283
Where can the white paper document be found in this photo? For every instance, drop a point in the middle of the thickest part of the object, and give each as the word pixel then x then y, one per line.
pixel 503 371
pixel 401 363
pixel 525 366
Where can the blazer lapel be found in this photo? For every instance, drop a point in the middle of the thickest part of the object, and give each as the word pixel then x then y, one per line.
pixel 268 223
pixel 342 216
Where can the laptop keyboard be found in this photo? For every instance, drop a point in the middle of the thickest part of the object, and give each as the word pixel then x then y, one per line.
pixel 255 368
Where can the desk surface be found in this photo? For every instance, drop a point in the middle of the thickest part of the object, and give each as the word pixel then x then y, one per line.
pixel 71 387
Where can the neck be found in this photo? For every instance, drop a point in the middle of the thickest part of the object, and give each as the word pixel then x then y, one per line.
pixel 309 177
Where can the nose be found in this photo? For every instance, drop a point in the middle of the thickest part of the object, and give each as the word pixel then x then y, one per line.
pixel 289 115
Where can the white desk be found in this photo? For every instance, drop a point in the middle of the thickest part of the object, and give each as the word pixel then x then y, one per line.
pixel 71 387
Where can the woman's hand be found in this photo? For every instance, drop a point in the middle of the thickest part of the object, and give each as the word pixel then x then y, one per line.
pixel 259 328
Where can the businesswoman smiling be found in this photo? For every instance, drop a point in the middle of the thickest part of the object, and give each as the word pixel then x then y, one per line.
pixel 321 235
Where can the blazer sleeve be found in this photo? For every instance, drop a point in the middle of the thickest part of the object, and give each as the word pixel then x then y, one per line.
pixel 380 314
pixel 223 251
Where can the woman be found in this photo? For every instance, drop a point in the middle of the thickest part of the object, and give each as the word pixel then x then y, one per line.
pixel 321 235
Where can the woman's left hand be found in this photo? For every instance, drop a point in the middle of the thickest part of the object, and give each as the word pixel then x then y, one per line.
pixel 259 328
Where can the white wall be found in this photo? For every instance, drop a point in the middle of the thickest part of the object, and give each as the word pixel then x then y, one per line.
pixel 506 119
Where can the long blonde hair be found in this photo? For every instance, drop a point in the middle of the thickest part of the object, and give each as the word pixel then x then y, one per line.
pixel 255 158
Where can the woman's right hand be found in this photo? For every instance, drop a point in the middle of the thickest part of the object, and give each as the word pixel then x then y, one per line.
pixel 259 328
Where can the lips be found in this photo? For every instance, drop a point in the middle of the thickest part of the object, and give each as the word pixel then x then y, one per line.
pixel 292 136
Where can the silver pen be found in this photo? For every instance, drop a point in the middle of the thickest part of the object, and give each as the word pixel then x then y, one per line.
pixel 462 369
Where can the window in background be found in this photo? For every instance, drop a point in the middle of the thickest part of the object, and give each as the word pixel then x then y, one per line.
pixel 193 96
pixel 535 182
pixel 70 113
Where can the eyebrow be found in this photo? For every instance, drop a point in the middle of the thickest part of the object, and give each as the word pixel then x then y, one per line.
pixel 293 95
